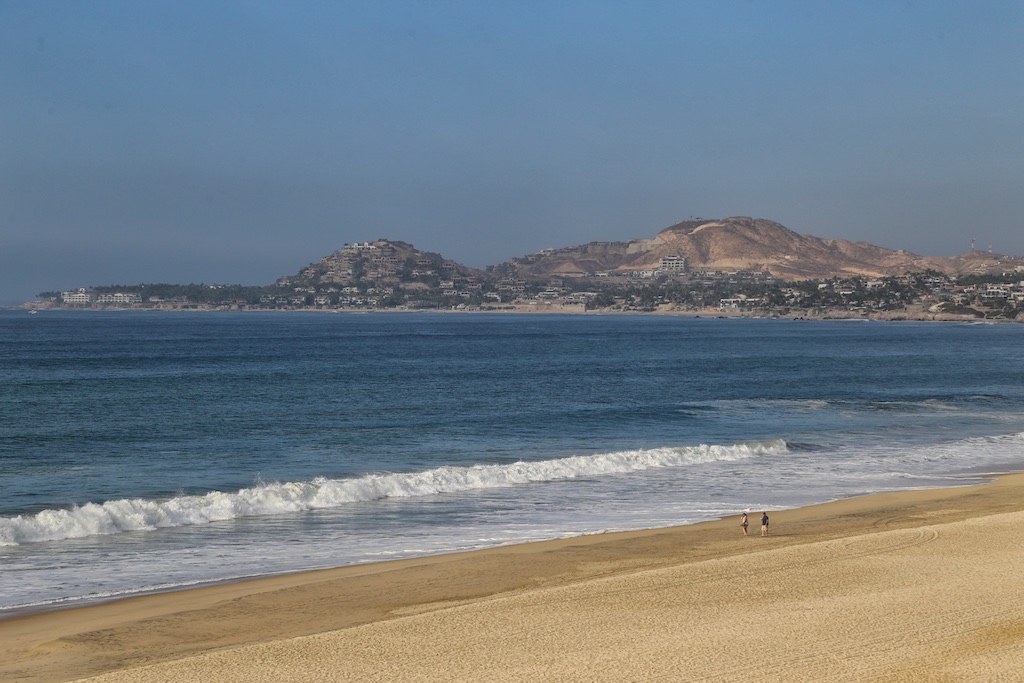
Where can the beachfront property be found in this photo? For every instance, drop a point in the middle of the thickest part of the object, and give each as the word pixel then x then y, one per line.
pixel 76 297
pixel 741 302
pixel 83 297
pixel 119 298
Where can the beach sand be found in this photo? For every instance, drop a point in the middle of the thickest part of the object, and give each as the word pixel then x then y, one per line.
pixel 913 586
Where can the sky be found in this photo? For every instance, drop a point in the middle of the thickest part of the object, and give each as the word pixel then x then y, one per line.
pixel 236 142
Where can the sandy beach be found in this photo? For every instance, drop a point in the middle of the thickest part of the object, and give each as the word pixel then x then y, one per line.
pixel 913 586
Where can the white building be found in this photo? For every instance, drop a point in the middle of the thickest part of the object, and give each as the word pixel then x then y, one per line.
pixel 121 298
pixel 673 264
pixel 79 296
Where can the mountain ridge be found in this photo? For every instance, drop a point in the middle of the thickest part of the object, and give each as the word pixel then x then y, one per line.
pixel 749 244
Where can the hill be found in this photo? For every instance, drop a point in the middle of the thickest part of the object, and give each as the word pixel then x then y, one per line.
pixel 388 273
pixel 749 244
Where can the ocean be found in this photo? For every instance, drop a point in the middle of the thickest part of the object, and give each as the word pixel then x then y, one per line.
pixel 151 451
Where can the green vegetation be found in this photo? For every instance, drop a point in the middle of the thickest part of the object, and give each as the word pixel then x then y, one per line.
pixel 198 294
pixel 430 283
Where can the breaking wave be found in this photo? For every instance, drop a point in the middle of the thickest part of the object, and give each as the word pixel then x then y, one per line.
pixel 136 514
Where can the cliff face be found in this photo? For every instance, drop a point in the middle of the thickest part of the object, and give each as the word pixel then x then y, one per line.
pixel 742 243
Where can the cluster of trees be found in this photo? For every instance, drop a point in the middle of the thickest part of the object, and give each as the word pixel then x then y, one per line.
pixel 193 293
pixel 850 292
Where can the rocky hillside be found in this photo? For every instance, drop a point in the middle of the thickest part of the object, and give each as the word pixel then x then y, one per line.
pixel 978 263
pixel 727 244
pixel 742 243
pixel 381 260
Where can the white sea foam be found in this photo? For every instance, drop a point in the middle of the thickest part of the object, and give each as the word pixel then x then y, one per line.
pixel 136 514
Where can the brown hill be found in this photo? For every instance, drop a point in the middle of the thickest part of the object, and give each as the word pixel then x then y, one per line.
pixel 979 263
pixel 727 244
pixel 750 244
pixel 761 245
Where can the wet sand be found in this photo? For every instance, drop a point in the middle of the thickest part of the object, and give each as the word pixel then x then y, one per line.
pixel 913 586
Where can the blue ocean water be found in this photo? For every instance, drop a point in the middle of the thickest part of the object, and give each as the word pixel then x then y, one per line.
pixel 144 451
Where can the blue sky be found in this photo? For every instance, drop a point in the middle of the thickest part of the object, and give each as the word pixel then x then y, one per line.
pixel 236 142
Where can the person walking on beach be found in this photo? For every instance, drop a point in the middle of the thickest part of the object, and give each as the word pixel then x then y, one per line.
pixel 743 523
pixel 764 523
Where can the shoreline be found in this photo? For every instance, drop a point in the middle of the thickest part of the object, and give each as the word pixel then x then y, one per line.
pixel 185 628
pixel 917 315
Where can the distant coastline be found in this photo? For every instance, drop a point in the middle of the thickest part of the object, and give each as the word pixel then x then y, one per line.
pixel 911 314
pixel 760 269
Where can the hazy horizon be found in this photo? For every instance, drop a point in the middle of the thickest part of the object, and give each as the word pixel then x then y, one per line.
pixel 422 248
pixel 236 143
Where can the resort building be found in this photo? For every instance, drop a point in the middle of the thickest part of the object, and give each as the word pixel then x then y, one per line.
pixel 122 298
pixel 78 296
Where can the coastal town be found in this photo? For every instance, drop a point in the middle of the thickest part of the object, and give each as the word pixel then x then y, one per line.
pixel 393 276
